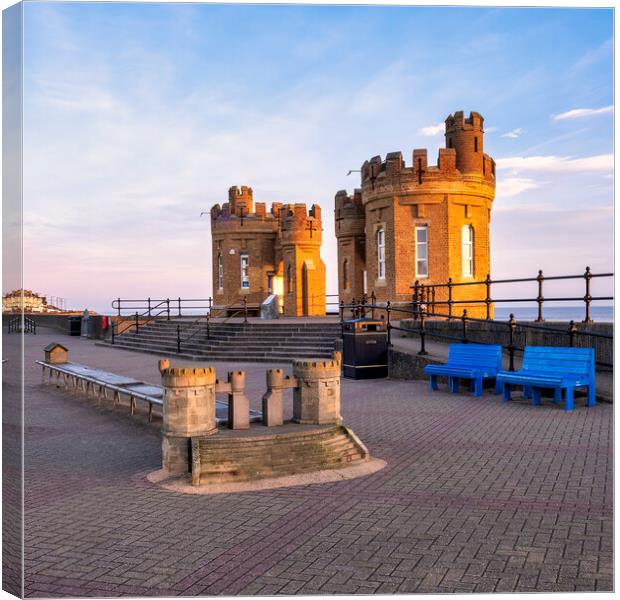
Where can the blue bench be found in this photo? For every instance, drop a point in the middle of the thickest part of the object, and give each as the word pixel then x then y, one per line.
pixel 556 368
pixel 468 361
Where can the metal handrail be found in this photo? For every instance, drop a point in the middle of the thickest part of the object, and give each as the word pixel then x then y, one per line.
pixel 172 303
pixel 136 322
pixel 426 294
pixel 15 325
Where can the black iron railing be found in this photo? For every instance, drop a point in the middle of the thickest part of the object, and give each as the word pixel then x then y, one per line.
pixel 174 306
pixel 428 295
pixel 424 305
pixel 21 323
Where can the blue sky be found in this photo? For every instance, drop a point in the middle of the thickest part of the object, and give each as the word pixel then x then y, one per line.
pixel 137 117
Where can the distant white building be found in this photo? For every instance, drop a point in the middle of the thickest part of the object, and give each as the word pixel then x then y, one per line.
pixel 26 300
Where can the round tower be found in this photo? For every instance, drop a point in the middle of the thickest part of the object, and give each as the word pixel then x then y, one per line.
pixel 465 135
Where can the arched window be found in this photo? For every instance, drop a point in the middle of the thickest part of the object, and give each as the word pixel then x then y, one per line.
pixel 220 273
pixel 467 250
pixel 289 279
pixel 345 274
pixel 475 144
pixel 381 253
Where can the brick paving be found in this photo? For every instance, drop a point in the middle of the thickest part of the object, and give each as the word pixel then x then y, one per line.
pixel 477 496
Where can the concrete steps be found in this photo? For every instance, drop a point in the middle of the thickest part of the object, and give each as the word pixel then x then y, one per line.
pixel 227 460
pixel 235 342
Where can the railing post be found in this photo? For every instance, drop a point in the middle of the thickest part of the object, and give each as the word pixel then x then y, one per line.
pixel 587 298
pixel 449 297
pixel 179 301
pixel 208 327
pixel 178 339
pixel 433 301
pixel 487 300
pixel 113 324
pixel 464 321
pixel 118 306
pixel 245 309
pixel 363 306
pixel 137 325
pixel 388 310
pixel 373 300
pixel 210 302
pixel 416 299
pixel 353 305
pixel 422 351
pixel 149 305
pixel 341 318
pixel 512 324
pixel 540 299
pixel 421 306
pixel 168 308
pixel 572 332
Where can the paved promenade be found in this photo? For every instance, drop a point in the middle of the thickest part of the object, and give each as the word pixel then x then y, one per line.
pixel 477 496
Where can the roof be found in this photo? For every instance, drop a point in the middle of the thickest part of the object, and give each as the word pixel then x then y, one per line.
pixel 53 345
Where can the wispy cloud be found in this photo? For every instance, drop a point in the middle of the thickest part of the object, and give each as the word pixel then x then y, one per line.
pixel 515 133
pixel 433 130
pixel 580 113
pixel 557 164
pixel 507 187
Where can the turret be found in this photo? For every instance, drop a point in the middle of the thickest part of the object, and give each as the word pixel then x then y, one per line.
pixel 465 135
pixel 240 200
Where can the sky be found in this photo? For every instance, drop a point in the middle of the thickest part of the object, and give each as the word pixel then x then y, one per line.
pixel 137 117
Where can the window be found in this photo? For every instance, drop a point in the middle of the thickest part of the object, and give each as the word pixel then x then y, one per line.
pixel 220 273
pixel 467 250
pixel 289 279
pixel 381 253
pixel 449 142
pixel 245 272
pixel 421 251
pixel 475 144
pixel 345 274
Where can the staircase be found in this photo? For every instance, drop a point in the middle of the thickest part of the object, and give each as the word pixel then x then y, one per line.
pixel 227 458
pixel 236 342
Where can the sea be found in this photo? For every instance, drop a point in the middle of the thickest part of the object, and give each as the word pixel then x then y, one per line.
pixel 599 314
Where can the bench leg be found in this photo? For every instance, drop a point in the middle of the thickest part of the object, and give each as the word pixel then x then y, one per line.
pixel 478 387
pixel 557 395
pixel 506 391
pixel 453 382
pixel 527 391
pixel 570 398
pixel 498 387
pixel 536 396
pixel 432 383
pixel 591 395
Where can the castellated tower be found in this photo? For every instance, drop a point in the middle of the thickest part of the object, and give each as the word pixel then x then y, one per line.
pixel 258 252
pixel 350 232
pixel 421 222
pixel 304 270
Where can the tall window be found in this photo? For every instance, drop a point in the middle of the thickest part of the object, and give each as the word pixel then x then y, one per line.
pixel 220 272
pixel 475 144
pixel 421 251
pixel 289 279
pixel 467 250
pixel 381 253
pixel 245 272
pixel 345 274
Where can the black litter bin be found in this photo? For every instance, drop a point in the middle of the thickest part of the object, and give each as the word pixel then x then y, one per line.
pixel 75 325
pixel 364 349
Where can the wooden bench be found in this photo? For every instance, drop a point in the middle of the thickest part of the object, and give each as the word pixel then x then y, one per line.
pixel 556 368
pixel 476 362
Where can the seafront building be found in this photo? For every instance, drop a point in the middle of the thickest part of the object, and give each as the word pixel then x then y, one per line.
pixel 425 223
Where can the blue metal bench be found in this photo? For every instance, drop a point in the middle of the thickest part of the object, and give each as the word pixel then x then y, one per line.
pixel 556 368
pixel 468 361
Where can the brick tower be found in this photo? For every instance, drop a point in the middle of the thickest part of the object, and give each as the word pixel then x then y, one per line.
pixel 423 222
pixel 257 253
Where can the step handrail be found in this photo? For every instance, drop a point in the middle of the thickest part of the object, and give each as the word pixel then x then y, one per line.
pixel 136 322
pixel 196 323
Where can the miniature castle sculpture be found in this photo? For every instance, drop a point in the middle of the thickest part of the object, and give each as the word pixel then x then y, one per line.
pixel 423 222
pixel 257 253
